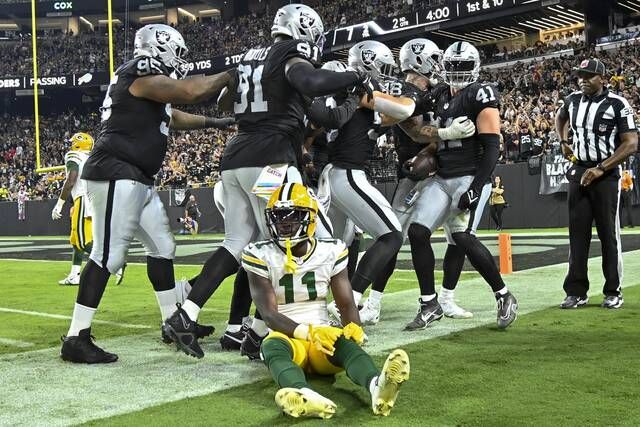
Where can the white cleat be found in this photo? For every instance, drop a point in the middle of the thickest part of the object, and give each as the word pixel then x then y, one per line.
pixel 182 290
pixel 71 280
pixel 453 310
pixel 370 313
pixel 395 371
pixel 304 402
pixel 334 314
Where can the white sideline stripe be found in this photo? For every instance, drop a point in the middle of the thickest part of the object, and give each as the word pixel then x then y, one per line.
pixel 150 374
pixel 16 343
pixel 62 317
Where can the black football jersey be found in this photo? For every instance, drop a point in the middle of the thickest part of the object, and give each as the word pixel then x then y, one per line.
pixel 356 140
pixel 406 148
pixel 461 157
pixel 133 139
pixel 270 112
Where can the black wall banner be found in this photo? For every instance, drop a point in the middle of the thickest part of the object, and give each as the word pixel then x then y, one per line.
pixel 59 81
pixel 553 174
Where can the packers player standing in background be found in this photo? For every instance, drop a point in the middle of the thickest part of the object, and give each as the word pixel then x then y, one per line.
pixel 289 277
pixel 81 238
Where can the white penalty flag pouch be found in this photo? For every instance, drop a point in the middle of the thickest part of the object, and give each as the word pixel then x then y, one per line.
pixel 269 180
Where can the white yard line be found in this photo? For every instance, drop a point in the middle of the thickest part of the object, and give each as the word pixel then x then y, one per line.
pixel 15 343
pixel 62 317
pixel 149 373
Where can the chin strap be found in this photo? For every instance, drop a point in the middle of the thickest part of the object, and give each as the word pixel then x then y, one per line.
pixel 290 265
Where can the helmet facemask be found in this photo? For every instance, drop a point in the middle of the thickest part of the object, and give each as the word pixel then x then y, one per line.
pixel 460 73
pixel 293 224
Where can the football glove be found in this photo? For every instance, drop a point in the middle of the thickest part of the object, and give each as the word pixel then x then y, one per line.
pixel 324 338
pixel 469 200
pixel 56 213
pixel 460 128
pixel 355 333
pixel 364 85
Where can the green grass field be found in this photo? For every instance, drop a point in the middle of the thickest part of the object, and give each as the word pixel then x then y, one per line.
pixel 551 367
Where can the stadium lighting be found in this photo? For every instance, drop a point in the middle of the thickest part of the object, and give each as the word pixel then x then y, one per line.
pixel 544 24
pixel 513 30
pixel 560 19
pixel 628 7
pixel 566 15
pixel 634 2
pixel 554 22
pixel 151 18
pixel 106 21
pixel 186 12
pixel 530 25
pixel 9 26
pixel 474 39
pixel 569 12
pixel 86 21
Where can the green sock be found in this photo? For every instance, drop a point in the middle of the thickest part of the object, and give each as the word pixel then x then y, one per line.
pixel 278 356
pixel 356 362
pixel 76 258
pixel 87 248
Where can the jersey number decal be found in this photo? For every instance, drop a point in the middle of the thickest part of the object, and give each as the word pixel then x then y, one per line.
pixel 485 94
pixel 106 104
pixel 247 76
pixel 312 53
pixel 309 279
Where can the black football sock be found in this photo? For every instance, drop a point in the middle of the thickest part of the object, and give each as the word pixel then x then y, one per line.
pixel 241 298
pixel 375 260
pixel 354 251
pixel 93 282
pixel 481 259
pixel 380 282
pixel 220 265
pixel 160 273
pixel 424 261
pixel 452 266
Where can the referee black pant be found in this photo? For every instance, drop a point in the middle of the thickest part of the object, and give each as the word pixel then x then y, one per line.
pixel 597 202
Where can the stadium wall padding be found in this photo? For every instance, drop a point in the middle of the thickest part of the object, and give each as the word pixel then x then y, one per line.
pixel 527 208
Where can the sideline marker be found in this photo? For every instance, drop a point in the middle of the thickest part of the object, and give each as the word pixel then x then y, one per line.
pixel 504 243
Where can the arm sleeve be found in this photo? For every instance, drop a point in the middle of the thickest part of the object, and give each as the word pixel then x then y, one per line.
pixel 491 145
pixel 252 262
pixel 314 82
pixel 323 114
pixel 624 117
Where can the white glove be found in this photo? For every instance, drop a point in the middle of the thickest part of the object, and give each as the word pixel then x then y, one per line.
pixel 56 213
pixel 460 128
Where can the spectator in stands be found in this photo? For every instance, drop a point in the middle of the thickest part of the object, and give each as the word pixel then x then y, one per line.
pixel 626 214
pixel 497 202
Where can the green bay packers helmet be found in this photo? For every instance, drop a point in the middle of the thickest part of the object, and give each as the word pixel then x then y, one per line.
pixel 291 214
pixel 81 141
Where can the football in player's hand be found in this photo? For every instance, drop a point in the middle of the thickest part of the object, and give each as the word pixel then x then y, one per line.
pixel 420 167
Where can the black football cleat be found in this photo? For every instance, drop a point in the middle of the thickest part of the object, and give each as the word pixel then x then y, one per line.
pixel 612 302
pixel 231 341
pixel 183 332
pixel 202 331
pixel 81 349
pixel 429 312
pixel 507 310
pixel 572 301
pixel 250 346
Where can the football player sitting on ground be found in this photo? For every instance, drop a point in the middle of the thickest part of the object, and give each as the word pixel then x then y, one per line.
pixel 81 238
pixel 290 276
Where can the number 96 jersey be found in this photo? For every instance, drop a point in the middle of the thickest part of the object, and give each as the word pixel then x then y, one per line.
pixel 301 296
pixel 460 157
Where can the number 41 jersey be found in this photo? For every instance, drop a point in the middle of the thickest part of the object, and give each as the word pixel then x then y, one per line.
pixel 301 296
pixel 460 157
pixel 270 112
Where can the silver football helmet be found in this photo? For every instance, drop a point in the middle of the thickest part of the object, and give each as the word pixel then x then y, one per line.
pixel 337 66
pixel 165 43
pixel 460 65
pixel 421 56
pixel 373 57
pixel 300 22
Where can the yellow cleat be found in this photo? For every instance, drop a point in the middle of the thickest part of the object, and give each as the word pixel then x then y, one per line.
pixel 394 372
pixel 304 402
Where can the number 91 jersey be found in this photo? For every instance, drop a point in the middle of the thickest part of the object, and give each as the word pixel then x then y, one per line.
pixel 301 296
pixel 460 157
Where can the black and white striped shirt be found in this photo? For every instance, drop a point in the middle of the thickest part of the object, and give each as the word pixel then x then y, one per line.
pixel 597 123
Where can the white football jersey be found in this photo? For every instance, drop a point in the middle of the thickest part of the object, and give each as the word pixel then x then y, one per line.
pixel 301 296
pixel 80 187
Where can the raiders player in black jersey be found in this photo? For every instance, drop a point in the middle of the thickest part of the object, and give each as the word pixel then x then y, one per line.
pixel 136 118
pixel 273 87
pixel 464 165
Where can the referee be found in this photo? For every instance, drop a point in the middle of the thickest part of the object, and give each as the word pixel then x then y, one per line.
pixel 604 135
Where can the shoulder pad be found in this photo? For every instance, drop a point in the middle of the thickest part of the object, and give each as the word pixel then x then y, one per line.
pixel 481 96
pixel 299 49
pixel 145 66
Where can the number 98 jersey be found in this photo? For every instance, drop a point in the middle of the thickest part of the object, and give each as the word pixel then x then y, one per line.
pixel 301 296
pixel 269 111
pixel 460 157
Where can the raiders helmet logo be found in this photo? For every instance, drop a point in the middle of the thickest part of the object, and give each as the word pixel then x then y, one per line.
pixel 417 48
pixel 306 20
pixel 162 37
pixel 368 56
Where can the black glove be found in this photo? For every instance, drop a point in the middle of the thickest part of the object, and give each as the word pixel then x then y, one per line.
pixel 364 85
pixel 469 200
pixel 222 123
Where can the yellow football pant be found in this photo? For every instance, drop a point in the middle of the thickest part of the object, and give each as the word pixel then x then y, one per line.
pixel 81 235
pixel 306 356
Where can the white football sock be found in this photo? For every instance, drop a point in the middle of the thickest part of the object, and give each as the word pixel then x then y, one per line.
pixel 375 297
pixel 167 302
pixel 75 269
pixel 446 294
pixel 192 309
pixel 82 318
pixel 259 327
pixel 357 296
pixel 372 384
pixel 427 298
pixel 233 328
pixel 503 291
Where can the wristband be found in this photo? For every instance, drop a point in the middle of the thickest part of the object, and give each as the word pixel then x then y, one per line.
pixel 301 332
